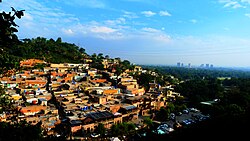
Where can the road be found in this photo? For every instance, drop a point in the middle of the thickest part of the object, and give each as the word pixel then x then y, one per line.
pixel 191 116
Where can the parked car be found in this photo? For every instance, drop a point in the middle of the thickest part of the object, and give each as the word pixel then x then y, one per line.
pixel 185 111
pixel 194 110
pixel 95 135
pixel 164 129
pixel 179 113
pixel 172 116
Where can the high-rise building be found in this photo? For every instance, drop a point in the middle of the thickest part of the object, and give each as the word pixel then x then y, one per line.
pixel 178 64
pixel 207 65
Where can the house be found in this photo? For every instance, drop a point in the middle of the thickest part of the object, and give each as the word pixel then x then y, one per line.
pixel 137 68
pixel 37 83
pixel 106 118
pixel 42 101
pixel 111 91
pixel 32 110
pixel 31 62
pixel 129 112
pixel 100 99
pixel 136 91
pixel 75 125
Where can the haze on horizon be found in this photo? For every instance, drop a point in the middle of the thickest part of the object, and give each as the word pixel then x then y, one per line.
pixel 144 31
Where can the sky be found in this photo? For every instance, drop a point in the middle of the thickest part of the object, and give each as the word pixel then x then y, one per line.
pixel 159 32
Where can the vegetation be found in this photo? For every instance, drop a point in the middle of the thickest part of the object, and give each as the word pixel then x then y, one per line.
pixel 101 129
pixel 199 73
pixel 22 131
pixel 198 90
pixel 121 129
pixel 196 85
pixel 229 115
pixel 50 50
pixel 8 39
pixel 148 122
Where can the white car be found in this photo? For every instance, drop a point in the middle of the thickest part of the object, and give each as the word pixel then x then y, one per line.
pixel 95 135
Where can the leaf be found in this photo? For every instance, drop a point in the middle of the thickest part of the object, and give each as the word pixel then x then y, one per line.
pixel 6 16
pixel 19 14
pixel 13 9
pixel 13 29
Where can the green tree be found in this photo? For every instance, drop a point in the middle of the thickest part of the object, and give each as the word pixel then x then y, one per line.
pixel 82 50
pixel 8 39
pixel 162 114
pixel 101 129
pixel 131 127
pixel 234 110
pixel 148 122
pixel 115 130
pixel 5 102
pixel 171 107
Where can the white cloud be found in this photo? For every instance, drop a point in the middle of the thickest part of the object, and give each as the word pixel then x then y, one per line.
pixel 37 16
pixel 102 29
pixel 148 29
pixel 148 13
pixel 194 21
pixel 164 13
pixel 130 15
pixel 95 30
pixel 27 17
pixel 232 4
pixel 116 21
pixel 87 3
pixel 68 31
pixel 248 15
pixel 245 1
pixel 154 34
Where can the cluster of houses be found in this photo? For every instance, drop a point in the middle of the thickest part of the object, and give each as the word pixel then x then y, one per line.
pixel 79 94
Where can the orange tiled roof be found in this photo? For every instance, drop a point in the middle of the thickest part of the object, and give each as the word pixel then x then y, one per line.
pixel 99 80
pixel 35 81
pixel 30 62
pixel 33 109
pixel 111 91
pixel 5 78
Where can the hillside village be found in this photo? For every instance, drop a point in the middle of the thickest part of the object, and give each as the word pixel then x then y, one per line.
pixel 80 97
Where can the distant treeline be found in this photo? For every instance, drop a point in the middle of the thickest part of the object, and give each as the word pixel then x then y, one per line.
pixel 199 73
pixel 49 50
pixel 229 116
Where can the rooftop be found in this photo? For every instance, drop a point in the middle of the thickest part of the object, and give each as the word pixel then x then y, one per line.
pixel 100 115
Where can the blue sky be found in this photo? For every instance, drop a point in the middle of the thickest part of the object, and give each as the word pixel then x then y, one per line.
pixel 145 31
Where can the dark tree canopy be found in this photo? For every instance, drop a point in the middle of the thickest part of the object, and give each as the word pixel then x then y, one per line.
pixel 8 39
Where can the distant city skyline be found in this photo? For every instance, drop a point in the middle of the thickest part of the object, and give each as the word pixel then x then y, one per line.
pixel 144 31
pixel 190 65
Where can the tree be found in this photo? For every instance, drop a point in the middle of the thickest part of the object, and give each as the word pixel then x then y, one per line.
pixel 115 130
pixel 148 122
pixel 8 38
pixel 163 114
pixel 131 127
pixel 106 56
pixel 101 129
pixel 82 50
pixel 20 131
pixel 5 101
pixel 100 56
pixel 59 40
pixel 171 107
